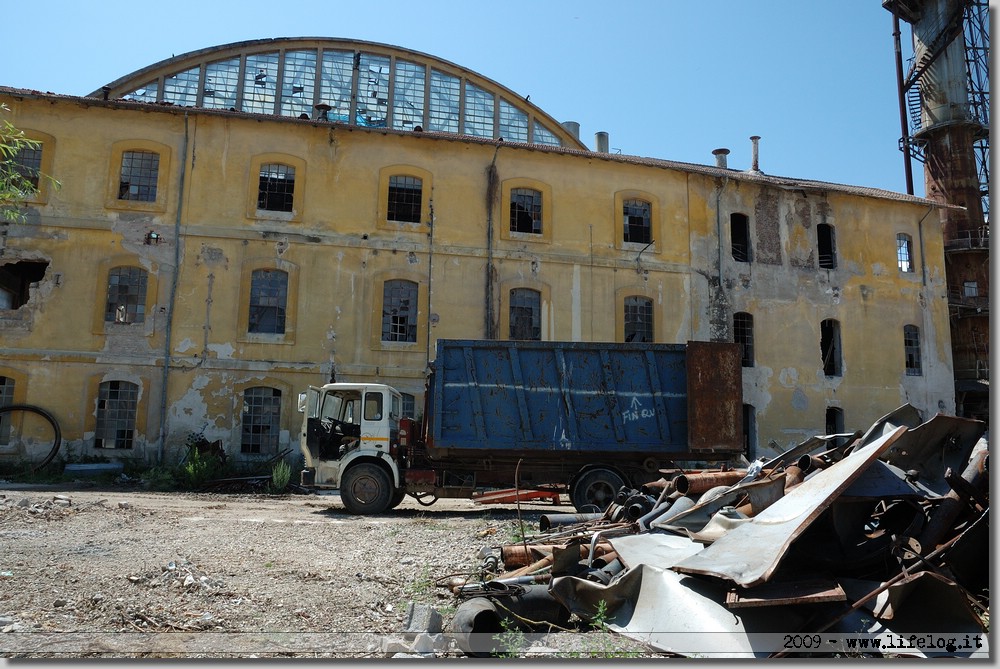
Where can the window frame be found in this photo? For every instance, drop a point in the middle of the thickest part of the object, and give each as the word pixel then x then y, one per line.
pixel 913 361
pixel 377 286
pixel 102 327
pixel 136 422
pixel 826 240
pixel 907 264
pixel 278 397
pixel 47 146
pixel 508 186
pixel 164 166
pixel 382 206
pixel 647 301
pixel 291 301
pixel 831 348
pixel 412 318
pixel 261 282
pixel 743 322
pixel 283 188
pixel 140 300
pixel 743 220
pixel 257 163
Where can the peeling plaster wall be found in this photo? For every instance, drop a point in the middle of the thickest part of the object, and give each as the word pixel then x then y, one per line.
pixel 337 250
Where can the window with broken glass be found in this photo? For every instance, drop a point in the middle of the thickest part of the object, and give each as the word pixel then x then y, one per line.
pixel 260 83
pixel 911 345
pixel 638 319
pixel 525 314
pixel 479 104
pixel 222 79
pixel 399 310
pixel 277 187
pixel 268 298
pixel 405 199
pixel 408 95
pixel 513 123
pixel 373 90
pixel 28 163
pixel 743 335
pixel 140 170
pixel 336 80
pixel 443 111
pixel 636 217
pixel 739 231
pixel 408 406
pixel 904 252
pixel 6 399
pixel 827 243
pixel 126 301
pixel 526 210
pixel 830 347
pixel 260 420
pixel 298 83
pixel 117 405
pixel 181 88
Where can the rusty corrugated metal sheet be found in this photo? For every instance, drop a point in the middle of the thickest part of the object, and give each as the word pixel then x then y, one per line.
pixel 715 396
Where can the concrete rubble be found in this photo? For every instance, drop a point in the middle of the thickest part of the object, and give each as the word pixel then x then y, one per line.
pixel 848 545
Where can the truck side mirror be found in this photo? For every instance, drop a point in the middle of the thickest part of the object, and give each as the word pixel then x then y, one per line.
pixel 302 402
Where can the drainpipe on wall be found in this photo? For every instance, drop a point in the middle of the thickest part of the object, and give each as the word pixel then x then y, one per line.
pixel 430 278
pixel 492 193
pixel 173 296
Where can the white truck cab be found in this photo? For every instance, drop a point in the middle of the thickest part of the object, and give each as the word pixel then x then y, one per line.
pixel 350 437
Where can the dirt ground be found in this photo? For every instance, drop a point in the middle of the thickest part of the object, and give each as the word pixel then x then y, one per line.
pixel 120 573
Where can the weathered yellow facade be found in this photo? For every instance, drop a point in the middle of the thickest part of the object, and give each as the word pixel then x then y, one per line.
pixel 193 358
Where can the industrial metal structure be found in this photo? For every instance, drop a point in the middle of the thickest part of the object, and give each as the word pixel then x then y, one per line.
pixel 944 98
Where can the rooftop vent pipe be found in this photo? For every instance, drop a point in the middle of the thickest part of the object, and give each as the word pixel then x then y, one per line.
pixel 754 165
pixel 720 157
pixel 601 138
pixel 572 127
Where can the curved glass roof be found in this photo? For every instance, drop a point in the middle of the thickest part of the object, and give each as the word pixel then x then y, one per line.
pixel 360 83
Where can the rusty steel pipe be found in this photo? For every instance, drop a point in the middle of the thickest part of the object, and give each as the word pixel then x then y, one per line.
pixel 550 520
pixel 809 463
pixel 942 519
pixel 694 484
pixel 794 475
pixel 514 556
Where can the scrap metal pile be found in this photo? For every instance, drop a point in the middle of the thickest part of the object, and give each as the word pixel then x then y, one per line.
pixel 873 543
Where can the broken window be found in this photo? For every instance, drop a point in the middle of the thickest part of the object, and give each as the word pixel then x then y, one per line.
pixel 405 199
pixel 140 170
pixel 830 347
pixel 222 78
pixel 827 243
pixel 126 301
pixel 638 319
pixel 542 135
pixel 526 210
pixel 16 280
pixel 525 314
pixel 904 252
pixel 6 399
pixel 911 345
pixel 28 164
pixel 749 431
pixel 268 297
pixel 298 83
pixel 408 96
pixel 970 289
pixel 399 310
pixel 117 405
pixel 743 335
pixel 277 187
pixel 636 217
pixel 260 83
pixel 373 90
pixel 181 88
pixel 739 231
pixel 442 114
pixel 261 420
pixel 335 84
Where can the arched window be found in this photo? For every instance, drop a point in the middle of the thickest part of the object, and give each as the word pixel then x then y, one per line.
pixel 138 176
pixel 637 221
pixel 904 252
pixel 276 190
pixel 405 198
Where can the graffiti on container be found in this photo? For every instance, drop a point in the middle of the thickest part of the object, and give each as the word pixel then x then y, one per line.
pixel 636 411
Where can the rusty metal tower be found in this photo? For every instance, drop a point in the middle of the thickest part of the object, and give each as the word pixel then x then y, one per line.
pixel 944 95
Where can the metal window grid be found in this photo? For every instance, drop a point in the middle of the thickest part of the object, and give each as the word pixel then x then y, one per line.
pixel 117 404
pixel 140 170
pixel 126 301
pixel 399 310
pixel 28 163
pixel 261 420
pixel 743 335
pixel 636 215
pixel 277 187
pixel 911 346
pixel 525 210
pixel 405 199
pixel 638 319
pixel 268 297
pixel 525 314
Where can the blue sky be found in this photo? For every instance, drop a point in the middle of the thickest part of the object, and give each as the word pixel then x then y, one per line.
pixel 670 79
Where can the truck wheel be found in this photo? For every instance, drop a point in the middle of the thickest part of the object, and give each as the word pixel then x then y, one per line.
pixel 365 489
pixel 597 487
pixel 397 498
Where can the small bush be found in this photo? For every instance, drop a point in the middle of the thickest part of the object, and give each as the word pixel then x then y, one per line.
pixel 281 474
pixel 197 470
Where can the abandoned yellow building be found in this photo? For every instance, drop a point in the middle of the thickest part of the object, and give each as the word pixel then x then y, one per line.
pixel 235 224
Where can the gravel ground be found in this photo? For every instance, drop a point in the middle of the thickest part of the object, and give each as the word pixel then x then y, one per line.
pixel 125 573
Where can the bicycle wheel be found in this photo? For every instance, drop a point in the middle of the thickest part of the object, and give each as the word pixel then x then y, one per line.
pixel 31 432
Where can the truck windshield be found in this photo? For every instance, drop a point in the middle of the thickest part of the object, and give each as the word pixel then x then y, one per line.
pixel 331 407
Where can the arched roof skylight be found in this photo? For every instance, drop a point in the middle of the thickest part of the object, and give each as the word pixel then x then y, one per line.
pixel 359 83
